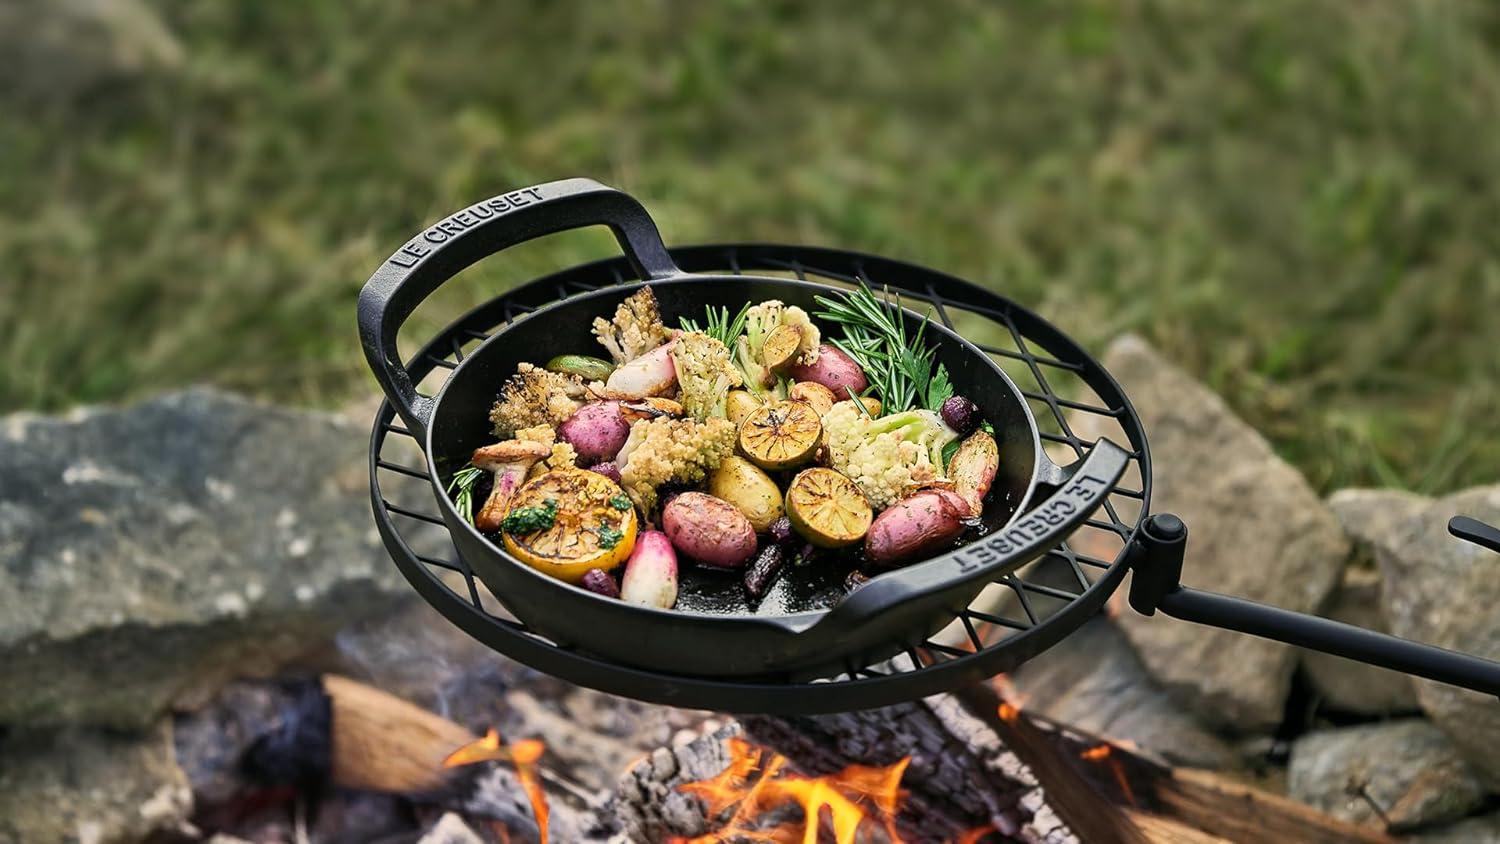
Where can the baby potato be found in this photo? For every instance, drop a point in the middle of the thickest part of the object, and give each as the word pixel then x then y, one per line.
pixel 739 405
pixel 708 530
pixel 749 489
pixel 812 393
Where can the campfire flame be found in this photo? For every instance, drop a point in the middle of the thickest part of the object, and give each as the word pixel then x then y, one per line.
pixel 523 755
pixel 1104 754
pixel 757 782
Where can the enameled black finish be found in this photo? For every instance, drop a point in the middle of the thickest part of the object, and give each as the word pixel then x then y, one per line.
pixel 713 633
pixel 992 638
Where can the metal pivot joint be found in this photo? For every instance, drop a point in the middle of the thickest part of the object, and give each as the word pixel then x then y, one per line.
pixel 1156 564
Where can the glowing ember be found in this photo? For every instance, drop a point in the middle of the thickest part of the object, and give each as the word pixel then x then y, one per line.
pixel 1008 712
pixel 523 755
pixel 1104 755
pixel 757 782
pixel 1008 691
pixel 974 836
pixel 1095 754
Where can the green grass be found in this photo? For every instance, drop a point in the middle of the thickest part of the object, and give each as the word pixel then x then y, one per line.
pixel 1298 202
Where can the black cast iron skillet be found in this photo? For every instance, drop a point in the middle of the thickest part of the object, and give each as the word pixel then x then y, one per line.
pixel 806 627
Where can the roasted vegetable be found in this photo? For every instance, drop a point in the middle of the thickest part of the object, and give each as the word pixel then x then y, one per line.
pixel 826 508
pixel 534 396
pixel 915 526
pixel 761 321
pixel 960 414
pixel 704 375
pixel 833 369
pixel 738 405
pixel 562 456
pixel 599 582
pixel 583 366
pixel 651 374
pixel 508 462
pixel 650 575
pixel 815 395
pixel 781 435
pixel 667 450
pixel 888 456
pixel 762 573
pixel 750 490
pixel 608 469
pixel 973 469
pixel 635 329
pixel 596 431
pixel 781 531
pixel 565 524
pixel 709 530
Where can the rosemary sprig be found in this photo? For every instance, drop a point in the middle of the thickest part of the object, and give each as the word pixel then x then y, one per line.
pixel 462 490
pixel 899 366
pixel 721 326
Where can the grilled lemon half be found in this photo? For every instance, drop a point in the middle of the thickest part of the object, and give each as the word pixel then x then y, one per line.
pixel 781 435
pixel 592 524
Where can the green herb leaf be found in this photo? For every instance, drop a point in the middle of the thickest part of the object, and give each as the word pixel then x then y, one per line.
pixel 621 503
pixel 721 326
pixel 948 451
pixel 939 389
pixel 461 487
pixel 523 520
pixel 609 536
pixel 898 366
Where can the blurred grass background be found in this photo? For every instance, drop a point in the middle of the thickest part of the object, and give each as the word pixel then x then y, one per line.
pixel 1299 202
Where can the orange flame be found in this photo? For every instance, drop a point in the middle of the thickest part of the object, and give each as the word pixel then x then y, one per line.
pixel 1104 754
pixel 523 755
pixel 974 836
pixel 1095 754
pixel 1008 691
pixel 757 781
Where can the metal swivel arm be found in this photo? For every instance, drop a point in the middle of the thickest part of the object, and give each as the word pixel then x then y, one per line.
pixel 1156 565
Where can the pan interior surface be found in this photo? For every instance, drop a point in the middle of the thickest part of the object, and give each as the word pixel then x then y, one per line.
pixel 461 421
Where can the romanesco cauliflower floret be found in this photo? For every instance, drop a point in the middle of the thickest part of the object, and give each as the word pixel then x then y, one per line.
pixel 667 450
pixel 636 328
pixel 563 455
pixel 704 374
pixel 535 396
pixel 887 457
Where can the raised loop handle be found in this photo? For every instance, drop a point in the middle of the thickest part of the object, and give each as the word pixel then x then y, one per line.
pixel 463 238
pixel 1083 487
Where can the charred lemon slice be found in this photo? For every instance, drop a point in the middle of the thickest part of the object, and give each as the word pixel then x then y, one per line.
pixel 827 508
pixel 568 521
pixel 779 350
pixel 781 435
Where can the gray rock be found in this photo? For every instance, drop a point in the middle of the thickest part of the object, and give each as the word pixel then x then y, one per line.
pixel 85 786
pixel 151 553
pixel 1094 682
pixel 57 49
pixel 1446 592
pixel 1348 686
pixel 1375 518
pixel 1257 531
pixel 1402 773
pixel 1484 829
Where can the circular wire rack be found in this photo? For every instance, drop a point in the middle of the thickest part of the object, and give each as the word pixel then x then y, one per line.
pixel 1016 617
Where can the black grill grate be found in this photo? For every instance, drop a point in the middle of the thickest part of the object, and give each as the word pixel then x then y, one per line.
pixel 1018 616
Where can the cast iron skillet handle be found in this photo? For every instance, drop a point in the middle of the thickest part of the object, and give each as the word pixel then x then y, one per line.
pixel 1081 489
pixel 461 239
